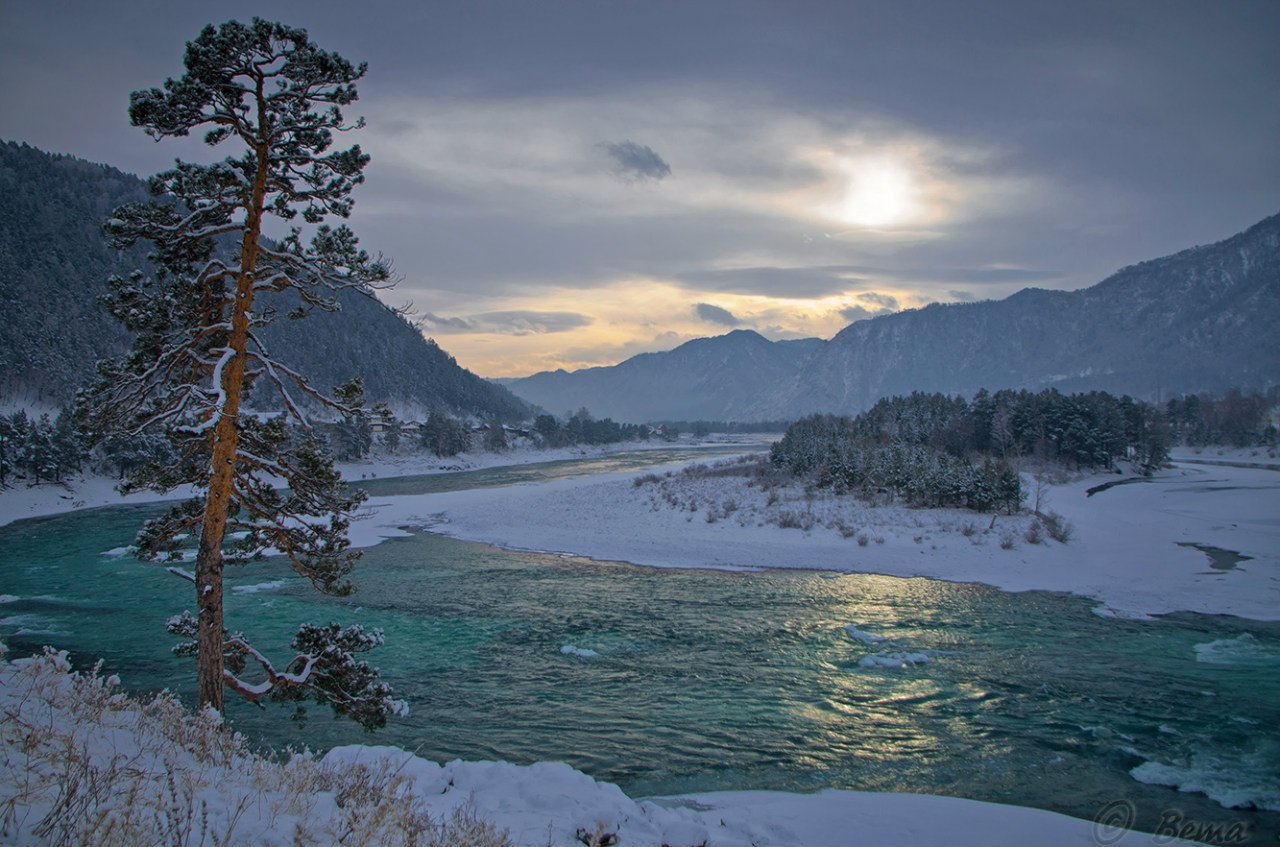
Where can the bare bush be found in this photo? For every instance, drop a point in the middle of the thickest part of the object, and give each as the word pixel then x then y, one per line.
pixel 1058 527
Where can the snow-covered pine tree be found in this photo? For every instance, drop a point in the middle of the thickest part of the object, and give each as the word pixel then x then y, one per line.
pixel 266 89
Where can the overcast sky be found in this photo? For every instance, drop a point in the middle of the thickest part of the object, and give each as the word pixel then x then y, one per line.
pixel 565 184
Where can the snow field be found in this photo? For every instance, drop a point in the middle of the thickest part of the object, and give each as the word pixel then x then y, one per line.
pixel 89 491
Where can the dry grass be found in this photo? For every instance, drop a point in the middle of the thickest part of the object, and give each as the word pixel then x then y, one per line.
pixel 750 492
pixel 84 764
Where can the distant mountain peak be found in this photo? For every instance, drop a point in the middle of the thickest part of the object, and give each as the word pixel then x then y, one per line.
pixel 1202 319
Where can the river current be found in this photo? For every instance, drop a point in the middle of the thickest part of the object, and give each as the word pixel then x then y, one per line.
pixel 680 681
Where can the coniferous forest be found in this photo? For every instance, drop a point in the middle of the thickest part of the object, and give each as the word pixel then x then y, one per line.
pixel 54 266
pixel 933 450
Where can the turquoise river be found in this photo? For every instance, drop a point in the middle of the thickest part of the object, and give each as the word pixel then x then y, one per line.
pixel 710 680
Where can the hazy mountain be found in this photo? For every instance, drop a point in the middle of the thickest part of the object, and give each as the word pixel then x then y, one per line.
pixel 54 265
pixel 704 379
pixel 1203 319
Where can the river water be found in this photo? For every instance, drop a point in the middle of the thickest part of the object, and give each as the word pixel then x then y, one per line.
pixel 711 680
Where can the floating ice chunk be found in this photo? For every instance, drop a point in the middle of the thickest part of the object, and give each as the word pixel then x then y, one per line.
pixel 28 625
pixel 1168 730
pixel 893 660
pixel 859 635
pixel 580 652
pixel 1239 781
pixel 1243 651
pixel 261 586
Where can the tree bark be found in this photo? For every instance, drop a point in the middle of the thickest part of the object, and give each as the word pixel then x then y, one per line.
pixel 226 440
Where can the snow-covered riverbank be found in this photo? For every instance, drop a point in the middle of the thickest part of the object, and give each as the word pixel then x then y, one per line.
pixel 1132 547
pixel 1126 550
pixel 87 492
pixel 86 764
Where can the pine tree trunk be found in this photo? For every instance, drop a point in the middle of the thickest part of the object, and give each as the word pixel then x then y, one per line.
pixel 226 439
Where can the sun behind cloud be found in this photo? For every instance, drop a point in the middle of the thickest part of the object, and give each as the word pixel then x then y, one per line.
pixel 879 192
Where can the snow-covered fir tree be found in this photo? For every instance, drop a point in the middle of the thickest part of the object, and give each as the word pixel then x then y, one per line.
pixel 268 91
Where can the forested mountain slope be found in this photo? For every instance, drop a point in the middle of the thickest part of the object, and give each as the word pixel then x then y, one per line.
pixel 1202 320
pixel 54 265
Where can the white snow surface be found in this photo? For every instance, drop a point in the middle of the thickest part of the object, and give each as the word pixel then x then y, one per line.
pixel 54 716
pixel 1124 549
pixel 89 491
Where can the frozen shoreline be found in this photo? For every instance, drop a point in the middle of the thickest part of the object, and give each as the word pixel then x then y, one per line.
pixel 1124 552
pixel 61 722
pixel 91 491
pixel 1136 548
pixel 1131 548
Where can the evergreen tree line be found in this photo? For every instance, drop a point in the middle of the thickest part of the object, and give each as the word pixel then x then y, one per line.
pixel 1081 431
pixel 935 450
pixel 40 449
pixel 50 448
pixel 831 451
pixel 581 428
pixel 1235 419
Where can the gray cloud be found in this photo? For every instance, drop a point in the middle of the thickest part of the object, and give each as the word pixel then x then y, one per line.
pixel 884 301
pixel 636 162
pixel 612 353
pixel 517 322
pixel 442 324
pixel 861 313
pixel 715 315
pixel 1124 186
pixel 816 281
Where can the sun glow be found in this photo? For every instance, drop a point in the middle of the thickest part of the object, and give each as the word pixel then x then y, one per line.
pixel 878 192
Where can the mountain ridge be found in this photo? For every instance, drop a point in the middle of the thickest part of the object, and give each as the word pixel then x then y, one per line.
pixel 1201 319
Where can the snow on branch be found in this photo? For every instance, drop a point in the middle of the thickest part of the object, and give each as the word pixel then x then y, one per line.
pixel 324 669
